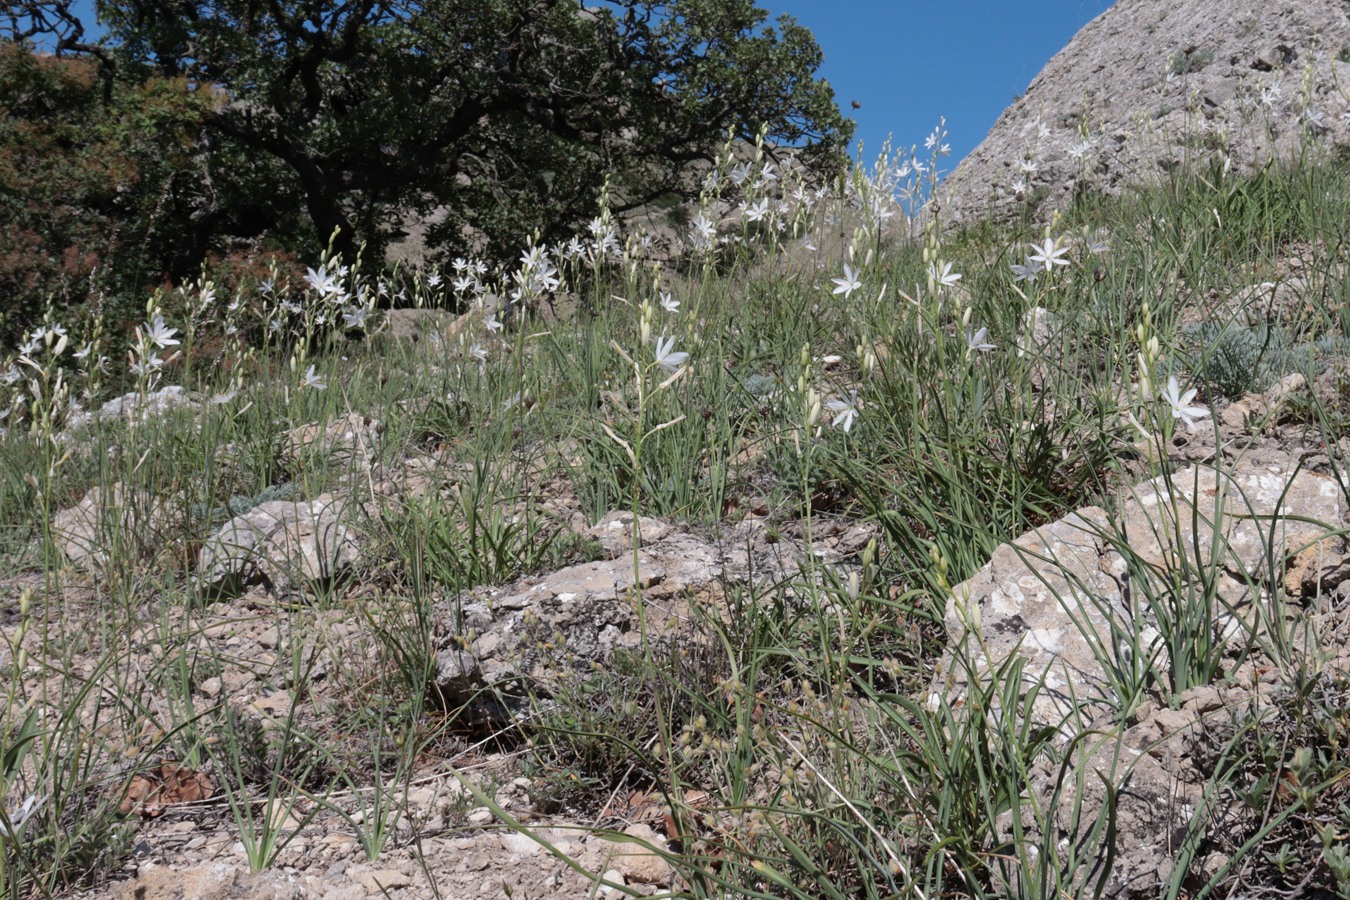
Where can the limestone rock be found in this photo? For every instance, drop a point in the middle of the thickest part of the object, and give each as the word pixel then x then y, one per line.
pixel 351 437
pixel 640 861
pixel 1059 596
pixel 414 324
pixel 1253 407
pixel 134 404
pixel 615 531
pixel 114 519
pixel 508 642
pixel 1156 84
pixel 281 544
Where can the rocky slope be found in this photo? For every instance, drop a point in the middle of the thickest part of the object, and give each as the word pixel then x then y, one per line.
pixel 1153 84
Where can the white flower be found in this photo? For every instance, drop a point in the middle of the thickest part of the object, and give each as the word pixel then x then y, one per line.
pixel 146 367
pixel 667 359
pixel 20 816
pixel 942 274
pixel 478 353
pixel 323 281
pixel 160 334
pixel 314 380
pixel 934 142
pixel 1048 254
pixel 490 322
pixel 849 283
pixel 355 316
pixel 978 340
pixel 845 411
pixel 1081 149
pixel 1026 272
pixel 1180 403
pixel 668 303
pixel 757 210
pixel 703 228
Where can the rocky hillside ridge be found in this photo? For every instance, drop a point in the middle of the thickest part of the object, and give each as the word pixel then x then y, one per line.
pixel 1152 84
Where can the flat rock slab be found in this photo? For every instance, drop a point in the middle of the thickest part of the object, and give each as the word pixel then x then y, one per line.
pixel 528 635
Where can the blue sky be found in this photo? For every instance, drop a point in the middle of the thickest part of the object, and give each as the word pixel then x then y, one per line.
pixel 910 62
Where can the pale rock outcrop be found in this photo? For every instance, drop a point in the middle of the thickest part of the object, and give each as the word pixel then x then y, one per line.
pixel 1150 85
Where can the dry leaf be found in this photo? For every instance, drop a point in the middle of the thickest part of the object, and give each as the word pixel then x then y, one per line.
pixel 152 791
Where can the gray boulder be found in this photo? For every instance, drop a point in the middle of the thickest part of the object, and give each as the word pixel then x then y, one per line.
pixel 1065 596
pixel 282 545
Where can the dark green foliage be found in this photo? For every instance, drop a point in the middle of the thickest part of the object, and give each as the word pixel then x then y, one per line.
pixel 507 114
pixel 89 192
pixel 111 188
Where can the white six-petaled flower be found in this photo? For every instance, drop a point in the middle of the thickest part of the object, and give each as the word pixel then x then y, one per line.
pixel 355 316
pixel 1027 272
pixel 1181 403
pixel 849 283
pixel 314 380
pixel 942 274
pixel 322 281
pixel 666 357
pixel 845 411
pixel 1048 255
pixel 159 334
pixel 978 341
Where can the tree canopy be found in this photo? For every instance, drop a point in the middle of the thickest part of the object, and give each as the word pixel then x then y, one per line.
pixel 505 116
